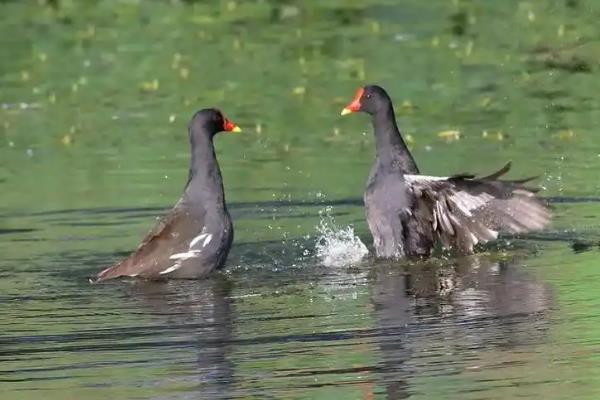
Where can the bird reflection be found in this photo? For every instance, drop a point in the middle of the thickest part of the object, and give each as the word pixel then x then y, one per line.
pixel 200 310
pixel 428 310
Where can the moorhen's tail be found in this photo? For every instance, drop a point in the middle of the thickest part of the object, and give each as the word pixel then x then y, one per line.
pixel 462 210
pixel 113 271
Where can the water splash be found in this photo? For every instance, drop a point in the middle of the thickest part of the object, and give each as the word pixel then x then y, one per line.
pixel 335 246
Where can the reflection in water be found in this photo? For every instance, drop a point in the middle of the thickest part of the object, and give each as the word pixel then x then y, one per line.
pixel 444 314
pixel 204 308
pixel 279 324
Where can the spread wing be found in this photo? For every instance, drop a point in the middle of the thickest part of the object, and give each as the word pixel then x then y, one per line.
pixel 462 210
pixel 161 242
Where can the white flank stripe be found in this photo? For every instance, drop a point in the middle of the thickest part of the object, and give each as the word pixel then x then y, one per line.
pixel 185 256
pixel 171 268
pixel 198 238
pixel 180 257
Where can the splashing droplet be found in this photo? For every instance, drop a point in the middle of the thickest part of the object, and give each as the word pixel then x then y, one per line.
pixel 335 246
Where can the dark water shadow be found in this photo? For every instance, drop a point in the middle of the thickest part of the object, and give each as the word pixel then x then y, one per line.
pixel 203 311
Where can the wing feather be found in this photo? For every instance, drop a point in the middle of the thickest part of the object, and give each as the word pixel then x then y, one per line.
pixel 463 211
pixel 159 243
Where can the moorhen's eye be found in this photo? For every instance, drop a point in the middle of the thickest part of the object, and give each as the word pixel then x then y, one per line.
pixel 368 95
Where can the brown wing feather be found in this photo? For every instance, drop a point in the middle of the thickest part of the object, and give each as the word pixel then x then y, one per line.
pixel 465 210
pixel 159 233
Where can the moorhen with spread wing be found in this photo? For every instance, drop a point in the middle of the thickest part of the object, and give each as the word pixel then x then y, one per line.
pixel 409 213
pixel 194 238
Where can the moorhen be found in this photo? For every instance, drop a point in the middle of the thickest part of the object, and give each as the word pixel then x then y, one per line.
pixel 408 213
pixel 194 238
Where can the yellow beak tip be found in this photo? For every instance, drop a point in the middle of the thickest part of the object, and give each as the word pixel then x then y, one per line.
pixel 346 111
pixel 236 129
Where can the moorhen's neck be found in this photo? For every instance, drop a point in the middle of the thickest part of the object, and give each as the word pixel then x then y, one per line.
pixel 391 148
pixel 205 184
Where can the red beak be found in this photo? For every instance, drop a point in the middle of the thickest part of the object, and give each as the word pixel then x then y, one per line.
pixel 354 106
pixel 229 126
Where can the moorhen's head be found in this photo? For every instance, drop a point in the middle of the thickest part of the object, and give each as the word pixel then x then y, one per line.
pixel 211 121
pixel 370 99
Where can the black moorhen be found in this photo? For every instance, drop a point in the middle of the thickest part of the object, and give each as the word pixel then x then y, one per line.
pixel 408 213
pixel 194 238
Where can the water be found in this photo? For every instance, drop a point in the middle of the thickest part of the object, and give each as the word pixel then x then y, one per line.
pixel 337 246
pixel 94 102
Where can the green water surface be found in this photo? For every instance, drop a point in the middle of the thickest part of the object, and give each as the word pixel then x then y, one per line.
pixel 95 97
